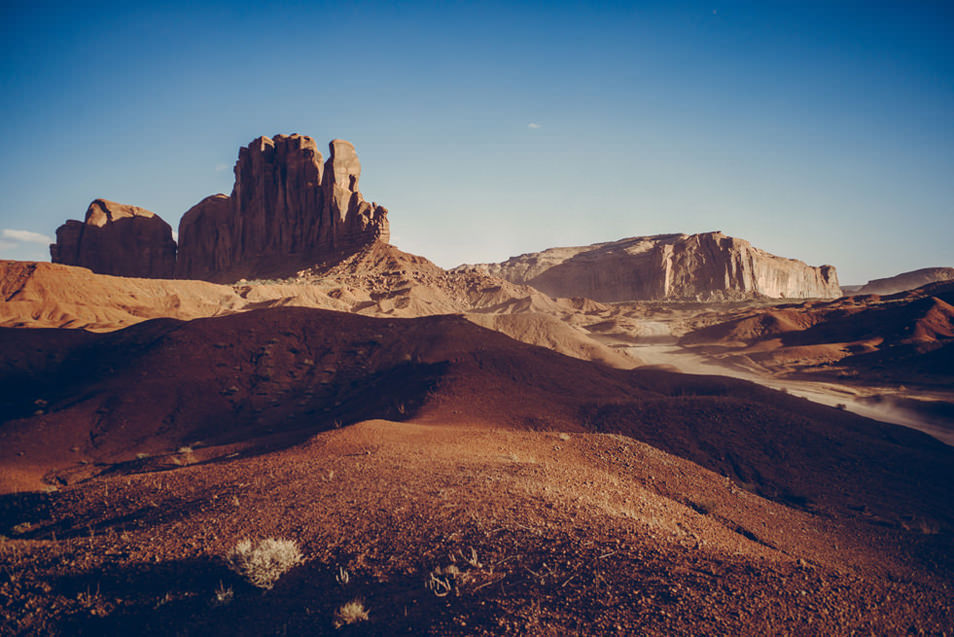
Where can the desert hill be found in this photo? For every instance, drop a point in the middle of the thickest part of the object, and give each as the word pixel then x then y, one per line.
pixel 37 294
pixel 379 280
pixel 285 373
pixel 709 266
pixel 908 336
pixel 905 281
pixel 277 370
pixel 451 438
pixel 547 534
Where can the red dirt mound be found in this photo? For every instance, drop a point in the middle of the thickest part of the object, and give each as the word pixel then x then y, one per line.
pixel 50 295
pixel 764 324
pixel 189 432
pixel 530 533
pixel 274 377
pixel 380 280
pixel 164 384
pixel 904 337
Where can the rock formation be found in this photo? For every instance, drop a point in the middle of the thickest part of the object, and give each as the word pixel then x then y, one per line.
pixel 709 266
pixel 906 281
pixel 287 209
pixel 117 239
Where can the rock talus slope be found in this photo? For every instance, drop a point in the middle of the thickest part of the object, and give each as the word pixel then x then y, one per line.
pixel 117 239
pixel 287 209
pixel 708 266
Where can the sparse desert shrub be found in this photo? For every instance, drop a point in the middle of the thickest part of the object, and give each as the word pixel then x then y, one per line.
pixel 929 527
pixel 23 527
pixel 438 583
pixel 923 525
pixel 471 559
pixel 264 564
pixel 343 577
pixel 223 594
pixel 351 613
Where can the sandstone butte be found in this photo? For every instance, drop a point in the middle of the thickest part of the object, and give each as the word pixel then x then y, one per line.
pixel 288 209
pixel 698 267
pixel 117 239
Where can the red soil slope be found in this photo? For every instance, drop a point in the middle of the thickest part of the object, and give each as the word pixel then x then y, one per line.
pixel 771 515
pixel 908 337
pixel 273 377
pixel 380 280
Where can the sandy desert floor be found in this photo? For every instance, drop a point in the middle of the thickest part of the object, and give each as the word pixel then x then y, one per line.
pixel 877 401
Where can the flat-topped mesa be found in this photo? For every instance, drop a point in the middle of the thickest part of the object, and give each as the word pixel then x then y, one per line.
pixel 713 265
pixel 117 239
pixel 287 210
pixel 704 267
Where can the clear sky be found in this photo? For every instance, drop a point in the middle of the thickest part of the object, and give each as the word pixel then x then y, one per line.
pixel 822 131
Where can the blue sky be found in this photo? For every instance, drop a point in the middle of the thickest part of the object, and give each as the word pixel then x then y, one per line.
pixel 820 131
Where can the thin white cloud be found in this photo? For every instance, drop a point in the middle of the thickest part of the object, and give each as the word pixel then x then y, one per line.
pixel 26 236
pixel 534 125
pixel 220 167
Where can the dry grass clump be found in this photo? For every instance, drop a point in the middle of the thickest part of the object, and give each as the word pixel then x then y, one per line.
pixel 351 613
pixel 264 564
pixel 224 595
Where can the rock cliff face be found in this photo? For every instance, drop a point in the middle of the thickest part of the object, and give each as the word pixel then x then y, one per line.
pixel 709 266
pixel 287 209
pixel 117 239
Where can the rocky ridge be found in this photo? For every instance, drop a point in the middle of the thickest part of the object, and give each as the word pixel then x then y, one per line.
pixel 699 267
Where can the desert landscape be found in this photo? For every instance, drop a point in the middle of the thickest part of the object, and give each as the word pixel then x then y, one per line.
pixel 283 424
pixel 477 319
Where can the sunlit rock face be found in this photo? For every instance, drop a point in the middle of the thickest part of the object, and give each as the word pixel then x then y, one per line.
pixel 117 239
pixel 702 267
pixel 288 208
